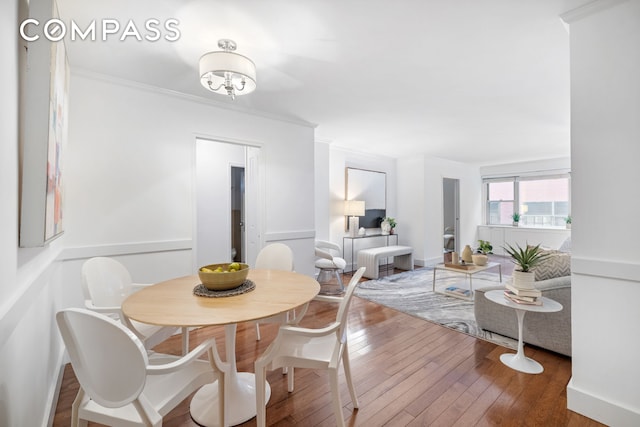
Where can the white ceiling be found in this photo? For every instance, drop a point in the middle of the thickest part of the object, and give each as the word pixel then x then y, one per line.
pixel 483 82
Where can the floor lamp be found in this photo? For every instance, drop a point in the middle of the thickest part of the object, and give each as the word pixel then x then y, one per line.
pixel 354 209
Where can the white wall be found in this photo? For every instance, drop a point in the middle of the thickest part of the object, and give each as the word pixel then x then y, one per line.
pixel 605 106
pixel 140 176
pixel 322 190
pixel 420 196
pixel 30 285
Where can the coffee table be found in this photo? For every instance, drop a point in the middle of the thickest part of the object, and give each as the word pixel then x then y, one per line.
pixel 519 361
pixel 469 271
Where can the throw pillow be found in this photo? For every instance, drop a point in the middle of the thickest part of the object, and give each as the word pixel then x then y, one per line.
pixel 566 245
pixel 557 264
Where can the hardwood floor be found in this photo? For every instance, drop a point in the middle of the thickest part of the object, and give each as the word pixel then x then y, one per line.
pixel 407 372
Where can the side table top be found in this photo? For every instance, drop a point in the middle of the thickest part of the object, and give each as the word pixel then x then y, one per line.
pixel 548 305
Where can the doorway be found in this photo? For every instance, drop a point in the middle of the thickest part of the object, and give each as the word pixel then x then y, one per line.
pixel 451 214
pixel 227 209
pixel 237 214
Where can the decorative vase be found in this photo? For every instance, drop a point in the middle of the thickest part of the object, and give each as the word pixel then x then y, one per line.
pixel 524 280
pixel 515 223
pixel 386 228
pixel 392 231
pixel 467 254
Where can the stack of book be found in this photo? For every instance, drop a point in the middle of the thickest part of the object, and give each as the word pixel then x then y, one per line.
pixel 523 296
pixel 456 291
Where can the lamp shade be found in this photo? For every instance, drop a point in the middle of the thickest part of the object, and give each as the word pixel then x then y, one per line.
pixel 215 67
pixel 354 207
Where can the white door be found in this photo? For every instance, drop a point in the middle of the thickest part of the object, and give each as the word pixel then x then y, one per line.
pixel 253 203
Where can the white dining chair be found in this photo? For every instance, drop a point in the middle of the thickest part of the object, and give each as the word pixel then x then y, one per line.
pixel 106 283
pixel 324 348
pixel 278 256
pixel 329 262
pixel 120 384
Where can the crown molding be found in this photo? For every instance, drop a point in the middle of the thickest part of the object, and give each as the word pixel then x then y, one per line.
pixel 82 72
pixel 588 9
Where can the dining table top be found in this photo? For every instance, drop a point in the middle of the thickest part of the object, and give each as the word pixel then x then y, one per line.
pixel 173 302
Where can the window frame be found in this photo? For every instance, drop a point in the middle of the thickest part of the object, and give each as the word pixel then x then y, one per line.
pixel 516 179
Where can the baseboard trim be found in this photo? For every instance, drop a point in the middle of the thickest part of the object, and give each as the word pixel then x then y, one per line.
pixel 55 392
pixel 599 409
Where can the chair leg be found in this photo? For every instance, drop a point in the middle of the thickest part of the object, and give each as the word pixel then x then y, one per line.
pixel 258 331
pixel 185 341
pixel 335 391
pixel 75 407
pixel 347 373
pixel 337 273
pixel 289 378
pixel 261 390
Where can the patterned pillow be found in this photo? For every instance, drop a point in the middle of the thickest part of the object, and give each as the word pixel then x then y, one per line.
pixel 557 264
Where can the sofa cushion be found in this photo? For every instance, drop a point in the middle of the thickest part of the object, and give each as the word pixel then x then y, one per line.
pixel 557 264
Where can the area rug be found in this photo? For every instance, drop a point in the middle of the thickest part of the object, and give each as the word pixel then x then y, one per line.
pixel 410 292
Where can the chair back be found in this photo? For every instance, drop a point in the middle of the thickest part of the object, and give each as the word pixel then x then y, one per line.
pixel 106 281
pixel 275 256
pixel 109 360
pixel 343 311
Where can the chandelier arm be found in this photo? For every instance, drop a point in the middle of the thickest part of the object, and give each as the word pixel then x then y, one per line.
pixel 240 88
pixel 220 86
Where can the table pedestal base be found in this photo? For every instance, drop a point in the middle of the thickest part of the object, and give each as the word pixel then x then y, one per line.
pixel 521 363
pixel 241 402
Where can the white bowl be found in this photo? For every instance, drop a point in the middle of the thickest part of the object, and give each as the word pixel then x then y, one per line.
pixel 480 259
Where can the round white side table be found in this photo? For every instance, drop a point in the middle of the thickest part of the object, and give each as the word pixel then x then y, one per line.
pixel 519 361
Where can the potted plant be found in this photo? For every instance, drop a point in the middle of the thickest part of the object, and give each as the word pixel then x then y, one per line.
pixel 484 249
pixel 391 223
pixel 525 259
pixel 567 221
pixel 516 218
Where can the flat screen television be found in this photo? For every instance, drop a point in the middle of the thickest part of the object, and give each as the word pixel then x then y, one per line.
pixel 372 218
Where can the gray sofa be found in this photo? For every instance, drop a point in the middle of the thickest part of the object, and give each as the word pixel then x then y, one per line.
pixel 551 331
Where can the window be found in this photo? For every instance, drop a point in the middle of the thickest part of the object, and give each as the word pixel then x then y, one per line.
pixel 541 201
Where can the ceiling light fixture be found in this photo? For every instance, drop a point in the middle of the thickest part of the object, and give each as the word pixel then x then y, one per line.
pixel 227 72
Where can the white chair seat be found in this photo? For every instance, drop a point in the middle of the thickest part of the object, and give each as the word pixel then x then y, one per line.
pixel 336 262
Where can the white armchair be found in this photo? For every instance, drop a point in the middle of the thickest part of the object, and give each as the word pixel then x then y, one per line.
pixel 278 256
pixel 329 261
pixel 120 384
pixel 106 283
pixel 324 348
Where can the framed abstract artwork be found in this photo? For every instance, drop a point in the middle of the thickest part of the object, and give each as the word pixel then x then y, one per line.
pixel 43 134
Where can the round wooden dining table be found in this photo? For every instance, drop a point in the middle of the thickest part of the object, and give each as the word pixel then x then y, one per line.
pixel 173 303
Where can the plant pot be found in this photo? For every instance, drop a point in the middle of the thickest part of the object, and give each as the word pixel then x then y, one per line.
pixel 524 280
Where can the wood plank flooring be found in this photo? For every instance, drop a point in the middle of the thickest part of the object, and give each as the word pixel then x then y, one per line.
pixel 407 372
